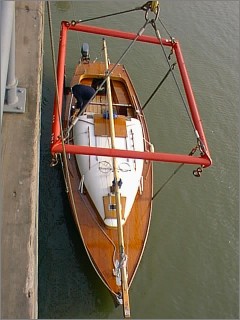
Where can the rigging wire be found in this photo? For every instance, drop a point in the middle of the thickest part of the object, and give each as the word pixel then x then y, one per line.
pixel 174 77
pixel 168 180
pixel 168 33
pixel 74 10
pixel 199 143
pixel 68 184
pixel 159 85
pixel 199 140
pixel 149 5
pixel 54 64
pixel 175 172
pixel 146 7
pixel 64 160
pixel 109 15
pixel 108 73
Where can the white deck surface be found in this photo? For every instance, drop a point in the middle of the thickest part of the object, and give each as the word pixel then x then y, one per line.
pixel 97 171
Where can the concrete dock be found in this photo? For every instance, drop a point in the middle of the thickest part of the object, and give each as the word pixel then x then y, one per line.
pixel 20 172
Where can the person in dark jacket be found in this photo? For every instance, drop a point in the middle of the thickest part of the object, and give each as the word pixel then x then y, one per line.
pixel 83 94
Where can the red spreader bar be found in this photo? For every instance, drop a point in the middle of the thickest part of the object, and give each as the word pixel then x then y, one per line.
pixel 119 153
pixel 56 145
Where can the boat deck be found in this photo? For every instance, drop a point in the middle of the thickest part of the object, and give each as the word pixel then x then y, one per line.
pixel 101 241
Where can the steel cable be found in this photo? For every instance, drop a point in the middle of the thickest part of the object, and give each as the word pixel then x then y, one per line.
pixel 67 177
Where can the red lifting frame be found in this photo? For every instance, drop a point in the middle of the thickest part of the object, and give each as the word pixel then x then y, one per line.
pixel 56 142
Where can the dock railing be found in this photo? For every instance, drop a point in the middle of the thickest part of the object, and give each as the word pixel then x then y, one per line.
pixel 13 98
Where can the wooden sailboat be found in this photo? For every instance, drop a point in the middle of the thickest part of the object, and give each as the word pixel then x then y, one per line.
pixel 113 196
pixel 107 160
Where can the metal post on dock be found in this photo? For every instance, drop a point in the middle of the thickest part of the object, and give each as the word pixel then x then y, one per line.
pixel 13 98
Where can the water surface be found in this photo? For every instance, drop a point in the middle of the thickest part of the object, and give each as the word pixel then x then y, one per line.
pixel 190 267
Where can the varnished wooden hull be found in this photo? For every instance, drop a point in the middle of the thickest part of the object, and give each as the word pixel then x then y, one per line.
pixel 100 241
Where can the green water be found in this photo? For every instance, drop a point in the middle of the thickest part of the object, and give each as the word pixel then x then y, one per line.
pixel 190 267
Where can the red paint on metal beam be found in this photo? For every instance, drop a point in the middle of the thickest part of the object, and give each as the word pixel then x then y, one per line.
pixel 190 96
pixel 57 111
pixel 156 156
pixel 119 153
pixel 116 33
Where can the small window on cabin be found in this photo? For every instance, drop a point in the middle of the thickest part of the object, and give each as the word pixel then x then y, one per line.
pixel 112 207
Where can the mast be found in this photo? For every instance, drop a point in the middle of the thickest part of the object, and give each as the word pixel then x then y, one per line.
pixel 124 282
